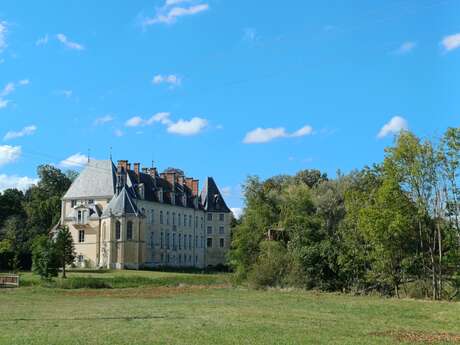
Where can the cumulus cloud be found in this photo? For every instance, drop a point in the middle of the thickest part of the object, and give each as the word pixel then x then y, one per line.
pixel 237 212
pixel 190 127
pixel 103 120
pixel 394 126
pixel 65 93
pixel 451 42
pixel 265 135
pixel 74 161
pixel 16 182
pixel 118 133
pixel 406 48
pixel 9 154
pixel 3 32
pixel 180 127
pixel 26 131
pixel 171 79
pixel 169 12
pixel 68 43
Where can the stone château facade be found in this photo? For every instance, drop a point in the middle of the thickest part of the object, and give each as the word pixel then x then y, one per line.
pixel 132 218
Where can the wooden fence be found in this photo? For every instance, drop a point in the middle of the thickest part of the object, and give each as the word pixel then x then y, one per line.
pixel 9 280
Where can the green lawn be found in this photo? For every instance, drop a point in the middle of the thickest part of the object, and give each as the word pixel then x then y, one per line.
pixel 177 308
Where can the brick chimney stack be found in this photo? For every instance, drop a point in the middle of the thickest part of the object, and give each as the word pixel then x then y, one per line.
pixel 137 167
pixel 195 187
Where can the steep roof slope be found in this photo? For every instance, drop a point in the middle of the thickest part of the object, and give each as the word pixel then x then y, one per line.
pixel 121 204
pixel 96 180
pixel 211 199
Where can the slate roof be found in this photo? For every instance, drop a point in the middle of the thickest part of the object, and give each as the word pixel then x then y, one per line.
pixel 96 180
pixel 211 199
pixel 121 204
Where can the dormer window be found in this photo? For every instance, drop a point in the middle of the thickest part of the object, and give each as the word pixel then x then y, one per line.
pixel 184 200
pixel 173 198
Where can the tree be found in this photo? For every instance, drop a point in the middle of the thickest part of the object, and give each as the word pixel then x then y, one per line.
pixel 45 261
pixel 65 249
pixel 13 240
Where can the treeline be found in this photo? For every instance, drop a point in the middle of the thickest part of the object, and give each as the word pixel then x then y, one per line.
pixel 24 216
pixel 393 228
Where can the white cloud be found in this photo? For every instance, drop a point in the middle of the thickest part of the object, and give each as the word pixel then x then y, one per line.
pixel 69 44
pixel 406 47
pixel 103 120
pixel 9 154
pixel 264 135
pixel 42 41
pixel 180 127
pixel 394 126
pixel 306 130
pixel 451 42
pixel 169 13
pixel 26 131
pixel 171 79
pixel 3 103
pixel 3 32
pixel 237 212
pixel 75 161
pixel 191 127
pixel 118 133
pixel 24 82
pixel 135 122
pixel 17 182
pixel 7 89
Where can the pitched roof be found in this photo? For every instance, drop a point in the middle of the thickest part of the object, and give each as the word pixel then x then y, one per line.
pixel 96 180
pixel 211 199
pixel 121 204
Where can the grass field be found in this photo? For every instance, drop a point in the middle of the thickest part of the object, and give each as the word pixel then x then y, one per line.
pixel 178 308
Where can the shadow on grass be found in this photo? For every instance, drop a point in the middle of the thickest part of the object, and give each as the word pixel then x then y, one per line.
pixel 123 318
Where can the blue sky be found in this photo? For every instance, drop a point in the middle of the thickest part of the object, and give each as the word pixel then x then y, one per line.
pixel 222 88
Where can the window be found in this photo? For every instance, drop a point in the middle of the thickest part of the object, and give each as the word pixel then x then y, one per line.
pixel 80 258
pixel 167 258
pixel 201 241
pixel 152 216
pixel 221 230
pixel 161 217
pixel 185 242
pixel 202 223
pixel 209 231
pixel 178 219
pixel 167 242
pixel 129 230
pixel 180 258
pixel 174 241
pixel 151 239
pixel 221 217
pixel 209 216
pixel 90 201
pixel 180 241
pixel 189 259
pixel 174 218
pixel 196 241
pixel 209 243
pixel 167 217
pixel 196 221
pixel 190 221
pixel 222 243
pixel 196 259
pixel 79 217
pixel 162 257
pixel 73 203
pixel 189 241
pixel 161 241
pixel 81 236
pixel 185 219
pixel 118 230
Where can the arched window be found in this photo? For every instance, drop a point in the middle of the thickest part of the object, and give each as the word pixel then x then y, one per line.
pixel 161 217
pixel 129 230
pixel 117 230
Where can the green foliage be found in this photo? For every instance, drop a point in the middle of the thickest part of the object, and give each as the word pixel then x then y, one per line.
pixel 65 249
pixel 45 261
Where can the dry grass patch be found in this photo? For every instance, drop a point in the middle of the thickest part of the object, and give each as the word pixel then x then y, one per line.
pixel 420 337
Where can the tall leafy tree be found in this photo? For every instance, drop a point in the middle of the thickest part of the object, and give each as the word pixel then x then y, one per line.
pixel 65 249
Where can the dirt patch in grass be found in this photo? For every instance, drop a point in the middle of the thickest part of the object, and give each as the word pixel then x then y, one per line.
pixel 420 337
pixel 146 292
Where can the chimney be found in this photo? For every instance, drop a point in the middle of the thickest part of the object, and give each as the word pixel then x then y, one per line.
pixel 153 172
pixel 180 179
pixel 137 168
pixel 195 187
pixel 145 170
pixel 128 166
pixel 122 164
pixel 171 178
pixel 189 182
